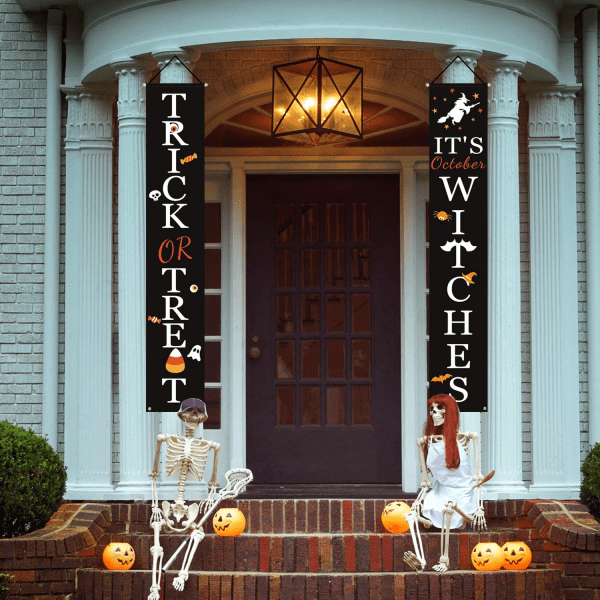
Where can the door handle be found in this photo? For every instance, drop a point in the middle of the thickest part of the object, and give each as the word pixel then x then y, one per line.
pixel 254 352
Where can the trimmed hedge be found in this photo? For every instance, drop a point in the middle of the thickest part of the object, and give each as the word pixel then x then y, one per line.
pixel 590 486
pixel 32 481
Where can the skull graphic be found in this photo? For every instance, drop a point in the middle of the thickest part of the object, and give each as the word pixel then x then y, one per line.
pixel 155 195
pixel 195 353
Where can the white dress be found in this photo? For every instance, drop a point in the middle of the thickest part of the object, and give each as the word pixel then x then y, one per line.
pixel 449 484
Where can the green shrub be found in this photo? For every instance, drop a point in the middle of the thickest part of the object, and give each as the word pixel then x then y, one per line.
pixel 32 481
pixel 4 589
pixel 590 486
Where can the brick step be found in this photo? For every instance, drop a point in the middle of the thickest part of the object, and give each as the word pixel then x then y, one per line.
pixel 538 584
pixel 307 516
pixel 289 553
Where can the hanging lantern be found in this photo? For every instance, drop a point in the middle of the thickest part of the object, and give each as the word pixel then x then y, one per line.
pixel 315 97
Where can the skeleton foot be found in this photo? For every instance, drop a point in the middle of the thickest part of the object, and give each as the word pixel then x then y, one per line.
pixel 154 594
pixel 179 581
pixel 413 561
pixel 440 568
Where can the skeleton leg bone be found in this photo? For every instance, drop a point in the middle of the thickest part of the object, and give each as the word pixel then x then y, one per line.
pixel 157 558
pixel 442 566
pixel 197 536
pixel 416 559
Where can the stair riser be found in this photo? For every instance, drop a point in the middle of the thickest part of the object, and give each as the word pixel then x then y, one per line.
pixel 319 554
pixel 501 585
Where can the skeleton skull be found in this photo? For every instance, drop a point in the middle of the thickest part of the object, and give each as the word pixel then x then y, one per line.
pixel 192 412
pixel 438 414
pixel 155 195
pixel 195 353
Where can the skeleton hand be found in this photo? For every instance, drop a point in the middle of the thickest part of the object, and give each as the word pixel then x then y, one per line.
pixel 478 522
pixel 156 515
pixel 179 581
pixel 154 474
pixel 213 483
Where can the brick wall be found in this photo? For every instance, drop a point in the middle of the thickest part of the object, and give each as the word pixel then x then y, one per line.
pixel 22 179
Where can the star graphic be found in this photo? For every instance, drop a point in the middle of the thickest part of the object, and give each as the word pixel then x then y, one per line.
pixel 475 96
pixel 446 126
pixel 434 98
pixel 480 110
pixel 452 90
pixel 444 99
pixel 459 128
pixel 473 119
pixel 435 110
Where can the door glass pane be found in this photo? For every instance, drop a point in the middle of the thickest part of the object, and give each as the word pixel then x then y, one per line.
pixel 336 405
pixel 335 315
pixel 310 359
pixel 212 315
pixel 361 404
pixel 334 223
pixel 335 267
pixel 361 267
pixel 212 269
pixel 310 405
pixel 285 223
pixel 285 405
pixel 310 313
pixel 310 222
pixel 361 313
pixel 310 268
pixel 285 359
pixel 212 399
pixel 336 359
pixel 212 362
pixel 361 222
pixel 212 225
pixel 361 359
pixel 285 313
pixel 284 277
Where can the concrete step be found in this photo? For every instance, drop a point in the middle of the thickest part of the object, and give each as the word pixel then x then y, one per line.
pixel 455 585
pixel 323 553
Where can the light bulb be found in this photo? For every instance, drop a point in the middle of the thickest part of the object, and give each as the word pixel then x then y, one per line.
pixel 329 104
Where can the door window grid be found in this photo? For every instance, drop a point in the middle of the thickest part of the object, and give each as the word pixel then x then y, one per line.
pixel 213 314
pixel 340 315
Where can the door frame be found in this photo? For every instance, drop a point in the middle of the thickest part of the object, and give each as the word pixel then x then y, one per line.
pixel 413 171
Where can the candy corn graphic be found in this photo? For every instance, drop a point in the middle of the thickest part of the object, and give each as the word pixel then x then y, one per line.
pixel 175 363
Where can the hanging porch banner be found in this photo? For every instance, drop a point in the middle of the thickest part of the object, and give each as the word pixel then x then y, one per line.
pixel 458 243
pixel 174 245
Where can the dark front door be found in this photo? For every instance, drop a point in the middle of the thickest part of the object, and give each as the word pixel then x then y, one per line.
pixel 323 304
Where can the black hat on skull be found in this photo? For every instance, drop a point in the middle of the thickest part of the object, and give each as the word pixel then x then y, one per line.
pixel 191 403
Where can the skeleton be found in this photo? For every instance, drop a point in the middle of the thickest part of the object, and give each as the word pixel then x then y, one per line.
pixel 186 456
pixel 443 422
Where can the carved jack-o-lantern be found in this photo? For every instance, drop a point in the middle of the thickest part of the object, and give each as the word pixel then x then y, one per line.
pixel 118 556
pixel 487 556
pixel 229 521
pixel 517 556
pixel 393 517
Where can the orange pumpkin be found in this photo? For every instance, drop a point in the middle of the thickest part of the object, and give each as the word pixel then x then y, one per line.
pixel 393 517
pixel 517 556
pixel 229 521
pixel 487 556
pixel 118 556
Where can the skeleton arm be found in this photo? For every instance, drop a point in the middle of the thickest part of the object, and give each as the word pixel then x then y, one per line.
pixel 155 473
pixel 479 516
pixel 213 479
pixel 426 483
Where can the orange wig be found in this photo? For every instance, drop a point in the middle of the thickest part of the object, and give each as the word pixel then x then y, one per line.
pixel 449 429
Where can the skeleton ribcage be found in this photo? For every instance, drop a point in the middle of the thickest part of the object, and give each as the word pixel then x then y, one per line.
pixel 181 450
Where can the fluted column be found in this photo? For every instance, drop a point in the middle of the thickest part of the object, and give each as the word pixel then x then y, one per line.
pixel 554 343
pixel 459 72
pixel 88 386
pixel 137 429
pixel 502 423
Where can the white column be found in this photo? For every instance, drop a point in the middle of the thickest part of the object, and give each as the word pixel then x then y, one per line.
pixel 137 429
pixel 554 343
pixel 175 72
pixel 502 424
pixel 88 347
pixel 591 136
pixel 459 72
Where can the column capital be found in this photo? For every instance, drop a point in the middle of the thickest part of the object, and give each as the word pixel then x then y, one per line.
pixel 458 71
pixel 175 72
pixel 504 95
pixel 551 110
pixel 132 77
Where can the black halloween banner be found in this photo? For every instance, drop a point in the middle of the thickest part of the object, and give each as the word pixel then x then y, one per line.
pixel 458 243
pixel 174 245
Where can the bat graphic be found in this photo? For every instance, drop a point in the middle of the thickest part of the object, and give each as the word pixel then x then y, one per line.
pixel 442 378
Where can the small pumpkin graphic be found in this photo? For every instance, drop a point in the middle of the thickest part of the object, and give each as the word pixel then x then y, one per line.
pixel 118 556
pixel 517 556
pixel 487 556
pixel 393 517
pixel 229 521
